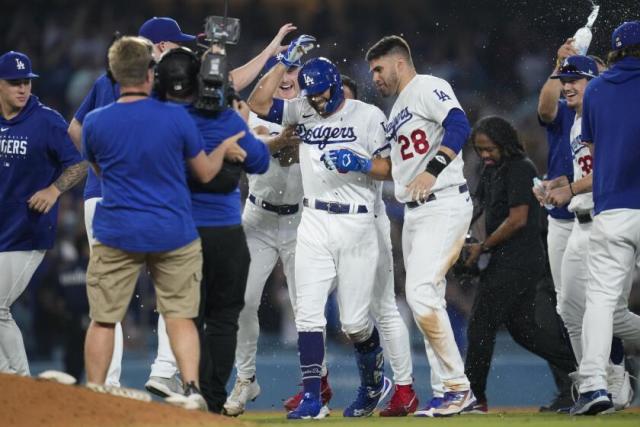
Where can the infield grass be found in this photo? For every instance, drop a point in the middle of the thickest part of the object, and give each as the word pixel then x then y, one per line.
pixel 495 419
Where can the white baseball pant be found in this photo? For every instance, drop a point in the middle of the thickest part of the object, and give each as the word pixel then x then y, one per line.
pixel 432 238
pixel 614 252
pixel 558 233
pixel 115 367
pixel 269 236
pixel 17 268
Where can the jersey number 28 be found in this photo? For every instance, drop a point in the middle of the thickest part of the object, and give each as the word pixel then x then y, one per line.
pixel 418 143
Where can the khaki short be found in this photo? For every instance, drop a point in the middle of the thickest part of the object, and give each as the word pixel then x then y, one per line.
pixel 112 275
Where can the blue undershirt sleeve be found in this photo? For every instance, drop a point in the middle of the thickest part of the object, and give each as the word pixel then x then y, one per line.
pixel 456 130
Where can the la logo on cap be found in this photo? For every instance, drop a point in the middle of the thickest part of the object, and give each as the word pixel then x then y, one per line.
pixel 19 64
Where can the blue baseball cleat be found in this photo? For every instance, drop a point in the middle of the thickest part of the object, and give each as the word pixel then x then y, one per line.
pixel 453 402
pixel 368 399
pixel 309 408
pixel 593 403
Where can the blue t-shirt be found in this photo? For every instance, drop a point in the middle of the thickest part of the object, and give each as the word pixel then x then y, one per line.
pixel 140 148
pixel 214 209
pixel 610 121
pixel 34 149
pixel 560 160
pixel 103 92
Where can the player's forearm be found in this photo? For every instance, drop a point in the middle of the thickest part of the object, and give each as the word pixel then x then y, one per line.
pixel 380 169
pixel 516 220
pixel 261 97
pixel 71 176
pixel 75 133
pixel 583 185
pixel 245 74
pixel 548 101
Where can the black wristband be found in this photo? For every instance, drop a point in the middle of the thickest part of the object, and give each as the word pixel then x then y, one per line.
pixel 440 161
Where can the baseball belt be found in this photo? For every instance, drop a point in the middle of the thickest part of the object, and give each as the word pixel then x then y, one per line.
pixel 278 209
pixel 462 189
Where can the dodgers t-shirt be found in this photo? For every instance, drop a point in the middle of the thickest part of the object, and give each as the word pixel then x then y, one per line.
pixel 140 148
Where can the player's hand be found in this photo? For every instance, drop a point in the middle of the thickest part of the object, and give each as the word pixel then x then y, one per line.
pixel 565 51
pixel 233 152
pixel 474 250
pixel 275 47
pixel 44 200
pixel 420 188
pixel 559 196
pixel 344 161
pixel 539 194
pixel 287 138
pixel 287 156
pixel 297 48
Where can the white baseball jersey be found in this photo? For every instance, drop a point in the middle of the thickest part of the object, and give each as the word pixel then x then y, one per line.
pixel 582 165
pixel 356 126
pixel 280 185
pixel 415 132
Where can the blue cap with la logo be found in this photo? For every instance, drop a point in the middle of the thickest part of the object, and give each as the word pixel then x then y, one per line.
pixel 15 66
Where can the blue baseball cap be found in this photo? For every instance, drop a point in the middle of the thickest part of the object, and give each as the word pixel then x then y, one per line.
pixel 625 35
pixel 271 62
pixel 164 29
pixel 577 67
pixel 15 66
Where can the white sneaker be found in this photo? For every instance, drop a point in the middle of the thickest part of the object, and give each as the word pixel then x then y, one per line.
pixel 164 387
pixel 58 377
pixel 129 393
pixel 243 391
pixel 191 399
pixel 619 385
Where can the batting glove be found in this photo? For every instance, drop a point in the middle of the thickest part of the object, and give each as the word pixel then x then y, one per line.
pixel 297 48
pixel 348 161
pixel 328 162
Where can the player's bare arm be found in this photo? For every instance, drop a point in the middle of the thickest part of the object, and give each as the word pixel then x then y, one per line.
pixel 421 186
pixel 515 221
pixel 381 169
pixel 75 133
pixel 205 167
pixel 550 93
pixel 261 97
pixel 43 200
pixel 287 138
pixel 560 196
pixel 245 74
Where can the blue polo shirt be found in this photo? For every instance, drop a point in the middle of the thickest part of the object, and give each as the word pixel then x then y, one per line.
pixel 141 148
pixel 103 92
pixel 215 209
pixel 34 149
pixel 560 160
pixel 610 121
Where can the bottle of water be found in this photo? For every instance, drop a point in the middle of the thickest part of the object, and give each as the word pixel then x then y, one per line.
pixel 537 184
pixel 582 37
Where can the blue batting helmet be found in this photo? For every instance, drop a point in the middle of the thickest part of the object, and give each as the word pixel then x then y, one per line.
pixel 316 76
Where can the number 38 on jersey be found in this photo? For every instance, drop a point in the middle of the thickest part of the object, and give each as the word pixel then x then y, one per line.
pixel 415 143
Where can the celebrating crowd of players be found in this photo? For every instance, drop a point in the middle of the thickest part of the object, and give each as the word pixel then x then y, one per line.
pixel 316 157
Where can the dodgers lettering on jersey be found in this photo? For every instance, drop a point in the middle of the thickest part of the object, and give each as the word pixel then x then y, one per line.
pixel 582 166
pixel 280 185
pixel 415 132
pixel 356 126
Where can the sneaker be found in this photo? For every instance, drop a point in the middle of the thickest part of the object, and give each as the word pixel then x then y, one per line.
pixel 454 402
pixel 165 387
pixel 243 391
pixel 310 407
pixel 619 384
pixel 427 411
pixel 129 393
pixel 560 404
pixel 478 408
pixel 191 399
pixel 593 403
pixel 325 395
pixel 368 399
pixel 403 402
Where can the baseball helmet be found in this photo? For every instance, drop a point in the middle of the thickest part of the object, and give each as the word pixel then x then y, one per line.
pixel 577 67
pixel 177 73
pixel 316 76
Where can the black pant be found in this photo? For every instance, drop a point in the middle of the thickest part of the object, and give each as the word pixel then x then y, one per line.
pixel 224 279
pixel 508 297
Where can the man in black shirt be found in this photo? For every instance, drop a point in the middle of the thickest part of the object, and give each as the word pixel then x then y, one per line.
pixel 507 290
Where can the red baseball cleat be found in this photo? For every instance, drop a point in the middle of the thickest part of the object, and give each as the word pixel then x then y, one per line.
pixel 325 395
pixel 403 402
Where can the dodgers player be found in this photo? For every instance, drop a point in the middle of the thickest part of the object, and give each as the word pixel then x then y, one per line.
pixel 610 123
pixel 574 75
pixel 427 127
pixel 334 236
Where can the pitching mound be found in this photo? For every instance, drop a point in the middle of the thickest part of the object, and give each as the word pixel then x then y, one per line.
pixel 30 402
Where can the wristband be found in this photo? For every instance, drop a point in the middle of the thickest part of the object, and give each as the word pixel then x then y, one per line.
pixel 440 161
pixel 571 189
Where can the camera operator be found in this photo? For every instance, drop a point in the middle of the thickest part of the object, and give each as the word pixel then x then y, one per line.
pixel 507 290
pixel 217 214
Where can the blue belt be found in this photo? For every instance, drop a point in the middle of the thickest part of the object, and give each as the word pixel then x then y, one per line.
pixel 334 207
pixel 462 189
pixel 279 209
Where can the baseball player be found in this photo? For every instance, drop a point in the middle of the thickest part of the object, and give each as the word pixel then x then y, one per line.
pixel 426 128
pixel 38 162
pixel 335 239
